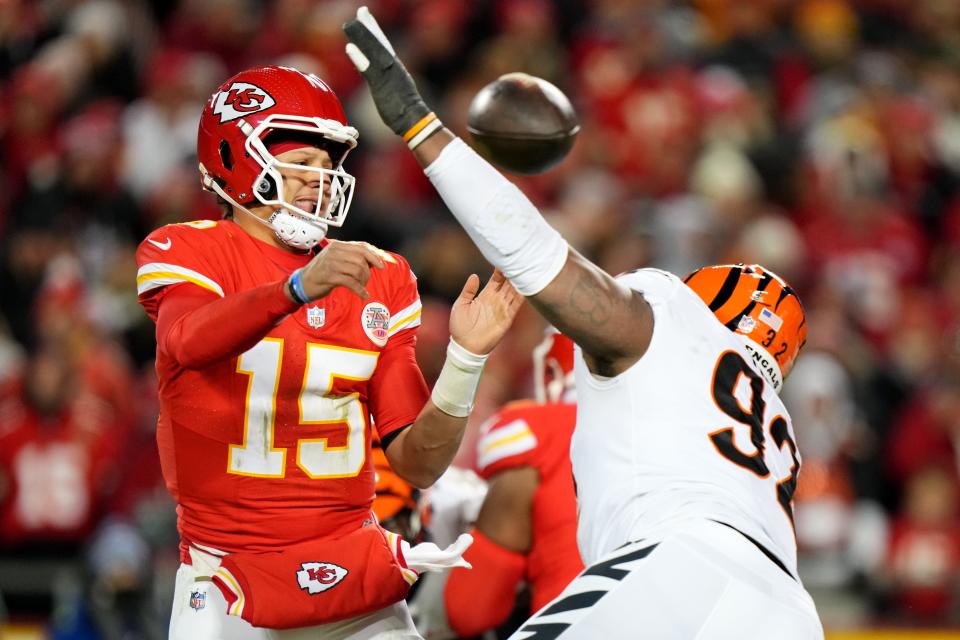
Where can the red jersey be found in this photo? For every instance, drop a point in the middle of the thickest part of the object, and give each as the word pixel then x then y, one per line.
pixel 271 447
pixel 527 434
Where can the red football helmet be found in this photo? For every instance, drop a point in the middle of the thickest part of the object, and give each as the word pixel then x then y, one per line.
pixel 256 108
pixel 553 368
pixel 758 305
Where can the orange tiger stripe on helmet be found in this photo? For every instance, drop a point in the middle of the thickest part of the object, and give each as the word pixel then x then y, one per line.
pixel 757 304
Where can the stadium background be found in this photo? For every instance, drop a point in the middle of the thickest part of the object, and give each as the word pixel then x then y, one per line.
pixel 820 138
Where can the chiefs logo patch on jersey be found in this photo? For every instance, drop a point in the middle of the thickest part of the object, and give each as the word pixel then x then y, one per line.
pixel 241 99
pixel 316 577
pixel 375 320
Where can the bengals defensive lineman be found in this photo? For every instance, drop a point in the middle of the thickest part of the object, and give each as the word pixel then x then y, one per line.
pixel 527 527
pixel 278 352
pixel 684 456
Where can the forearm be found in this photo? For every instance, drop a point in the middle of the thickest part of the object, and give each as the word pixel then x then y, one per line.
pixel 224 327
pixel 611 323
pixel 423 452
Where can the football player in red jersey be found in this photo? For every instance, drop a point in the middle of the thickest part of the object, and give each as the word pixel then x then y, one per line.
pixel 278 352
pixel 684 454
pixel 527 527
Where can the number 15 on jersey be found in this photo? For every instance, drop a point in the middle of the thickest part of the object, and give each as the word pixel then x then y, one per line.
pixel 257 456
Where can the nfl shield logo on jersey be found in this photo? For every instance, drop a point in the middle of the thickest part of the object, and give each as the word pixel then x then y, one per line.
pixel 375 321
pixel 198 600
pixel 316 577
pixel 316 316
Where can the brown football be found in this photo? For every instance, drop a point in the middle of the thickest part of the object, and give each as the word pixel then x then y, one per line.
pixel 522 124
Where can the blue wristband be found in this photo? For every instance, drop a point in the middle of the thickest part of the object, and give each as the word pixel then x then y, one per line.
pixel 296 287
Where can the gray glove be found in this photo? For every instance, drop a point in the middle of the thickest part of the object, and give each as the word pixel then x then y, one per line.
pixel 394 91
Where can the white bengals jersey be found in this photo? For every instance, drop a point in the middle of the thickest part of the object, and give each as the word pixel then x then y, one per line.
pixel 691 431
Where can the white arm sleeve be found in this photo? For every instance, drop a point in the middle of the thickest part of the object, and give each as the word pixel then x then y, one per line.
pixel 502 222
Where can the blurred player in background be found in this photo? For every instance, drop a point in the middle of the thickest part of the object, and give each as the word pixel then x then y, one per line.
pixel 277 351
pixel 527 527
pixel 684 455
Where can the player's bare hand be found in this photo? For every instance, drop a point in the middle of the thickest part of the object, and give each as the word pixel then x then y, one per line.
pixel 479 321
pixel 341 264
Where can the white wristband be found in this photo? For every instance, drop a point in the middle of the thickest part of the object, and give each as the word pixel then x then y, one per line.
pixel 457 383
pixel 423 134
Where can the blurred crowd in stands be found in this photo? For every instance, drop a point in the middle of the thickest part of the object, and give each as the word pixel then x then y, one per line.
pixel 820 138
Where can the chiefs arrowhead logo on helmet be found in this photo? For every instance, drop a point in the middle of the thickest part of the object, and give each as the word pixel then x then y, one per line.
pixel 241 99
pixel 261 107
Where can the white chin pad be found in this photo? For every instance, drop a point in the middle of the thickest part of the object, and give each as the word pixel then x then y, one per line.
pixel 296 231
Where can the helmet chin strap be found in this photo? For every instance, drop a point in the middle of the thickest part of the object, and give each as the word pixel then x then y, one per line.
pixel 290 229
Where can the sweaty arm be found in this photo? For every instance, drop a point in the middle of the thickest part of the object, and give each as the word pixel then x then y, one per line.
pixel 612 323
pixel 197 328
pixel 482 598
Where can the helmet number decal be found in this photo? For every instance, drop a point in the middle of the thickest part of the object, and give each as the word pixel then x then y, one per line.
pixel 771 334
pixel 241 99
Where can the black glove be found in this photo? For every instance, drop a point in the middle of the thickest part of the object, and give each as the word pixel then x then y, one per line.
pixel 394 91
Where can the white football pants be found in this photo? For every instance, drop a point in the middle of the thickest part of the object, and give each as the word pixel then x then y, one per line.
pixel 200 613
pixel 704 582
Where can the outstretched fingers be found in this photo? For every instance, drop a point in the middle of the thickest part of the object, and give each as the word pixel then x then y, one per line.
pixel 497 280
pixel 470 289
pixel 499 286
pixel 500 296
pixel 510 298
